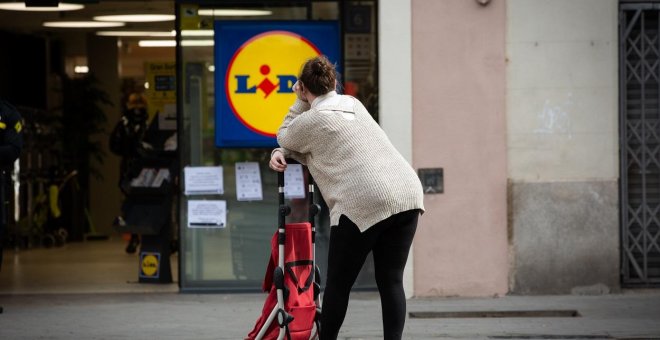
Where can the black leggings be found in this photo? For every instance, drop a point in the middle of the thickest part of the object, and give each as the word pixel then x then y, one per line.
pixel 390 242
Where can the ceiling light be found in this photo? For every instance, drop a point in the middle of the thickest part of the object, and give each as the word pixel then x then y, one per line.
pixel 196 33
pixel 136 17
pixel 81 69
pixel 157 43
pixel 172 43
pixel 82 24
pixel 20 6
pixel 197 42
pixel 135 34
pixel 233 12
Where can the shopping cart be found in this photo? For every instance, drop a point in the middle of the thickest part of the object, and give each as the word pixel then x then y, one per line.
pixel 292 308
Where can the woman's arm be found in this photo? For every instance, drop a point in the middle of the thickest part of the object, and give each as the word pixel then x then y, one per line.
pixel 292 135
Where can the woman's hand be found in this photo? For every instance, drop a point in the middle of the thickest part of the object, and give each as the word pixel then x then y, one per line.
pixel 277 161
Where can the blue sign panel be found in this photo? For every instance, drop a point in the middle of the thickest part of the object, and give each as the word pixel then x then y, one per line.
pixel 256 65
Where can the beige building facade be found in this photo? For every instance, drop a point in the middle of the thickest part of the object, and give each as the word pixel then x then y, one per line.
pixel 517 102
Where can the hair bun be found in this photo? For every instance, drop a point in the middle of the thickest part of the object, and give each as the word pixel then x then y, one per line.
pixel 318 75
pixel 319 68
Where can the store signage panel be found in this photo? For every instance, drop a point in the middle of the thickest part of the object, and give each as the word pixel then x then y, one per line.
pixel 161 94
pixel 256 65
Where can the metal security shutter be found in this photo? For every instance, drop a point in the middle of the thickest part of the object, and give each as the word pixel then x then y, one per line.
pixel 639 58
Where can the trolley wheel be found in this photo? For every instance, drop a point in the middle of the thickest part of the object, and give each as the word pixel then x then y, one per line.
pixel 48 241
pixel 63 234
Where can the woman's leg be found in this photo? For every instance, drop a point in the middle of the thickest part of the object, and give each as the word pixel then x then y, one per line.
pixel 390 256
pixel 346 255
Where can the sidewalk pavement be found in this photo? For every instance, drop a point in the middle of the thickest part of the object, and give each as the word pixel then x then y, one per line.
pixel 632 315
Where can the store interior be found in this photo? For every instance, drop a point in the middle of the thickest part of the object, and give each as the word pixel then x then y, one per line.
pixel 43 68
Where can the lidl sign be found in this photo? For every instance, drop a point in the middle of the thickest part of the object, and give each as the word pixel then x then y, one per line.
pixel 149 264
pixel 256 65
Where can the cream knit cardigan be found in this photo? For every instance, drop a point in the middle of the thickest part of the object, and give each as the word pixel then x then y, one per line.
pixel 355 166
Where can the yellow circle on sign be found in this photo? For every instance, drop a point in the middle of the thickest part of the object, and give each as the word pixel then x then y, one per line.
pixel 260 78
pixel 149 265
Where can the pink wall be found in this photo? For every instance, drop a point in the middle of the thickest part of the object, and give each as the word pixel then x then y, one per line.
pixel 459 124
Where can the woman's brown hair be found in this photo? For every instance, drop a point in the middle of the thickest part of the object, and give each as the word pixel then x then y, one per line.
pixel 318 75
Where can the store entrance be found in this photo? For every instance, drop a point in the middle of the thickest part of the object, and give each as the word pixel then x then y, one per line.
pixel 72 81
pixel 84 250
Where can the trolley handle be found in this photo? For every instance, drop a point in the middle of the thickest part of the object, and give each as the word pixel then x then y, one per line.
pixel 284 209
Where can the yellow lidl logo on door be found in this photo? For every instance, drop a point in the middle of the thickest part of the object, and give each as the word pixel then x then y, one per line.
pixel 256 64
pixel 149 264
pixel 260 78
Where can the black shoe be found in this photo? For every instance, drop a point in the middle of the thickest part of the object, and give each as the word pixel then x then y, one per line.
pixel 132 245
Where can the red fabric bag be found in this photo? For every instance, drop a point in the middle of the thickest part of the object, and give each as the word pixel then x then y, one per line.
pixel 298 270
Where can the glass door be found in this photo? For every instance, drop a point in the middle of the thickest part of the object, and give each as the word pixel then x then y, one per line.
pixel 234 257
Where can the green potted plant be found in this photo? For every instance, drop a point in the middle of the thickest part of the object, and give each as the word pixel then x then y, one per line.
pixel 81 118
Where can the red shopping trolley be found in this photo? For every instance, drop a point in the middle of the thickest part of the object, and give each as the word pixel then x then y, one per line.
pixel 292 309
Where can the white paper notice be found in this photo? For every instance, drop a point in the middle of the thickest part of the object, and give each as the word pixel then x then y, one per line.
pixel 145 178
pixel 207 214
pixel 294 183
pixel 162 175
pixel 203 180
pixel 248 182
pixel 167 118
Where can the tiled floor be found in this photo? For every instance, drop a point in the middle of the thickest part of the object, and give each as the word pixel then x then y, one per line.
pixel 77 267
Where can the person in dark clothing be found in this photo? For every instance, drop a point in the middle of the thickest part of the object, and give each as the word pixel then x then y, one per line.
pixel 126 139
pixel 128 134
pixel 11 143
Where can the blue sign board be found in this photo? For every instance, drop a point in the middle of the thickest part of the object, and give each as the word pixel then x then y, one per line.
pixel 256 65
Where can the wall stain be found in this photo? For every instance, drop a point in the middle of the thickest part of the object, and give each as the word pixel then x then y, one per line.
pixel 555 118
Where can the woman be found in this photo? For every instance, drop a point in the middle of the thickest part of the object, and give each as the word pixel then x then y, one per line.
pixel 373 194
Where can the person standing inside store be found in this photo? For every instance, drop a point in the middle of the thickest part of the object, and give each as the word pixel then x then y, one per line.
pixel 11 143
pixel 374 195
pixel 126 140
